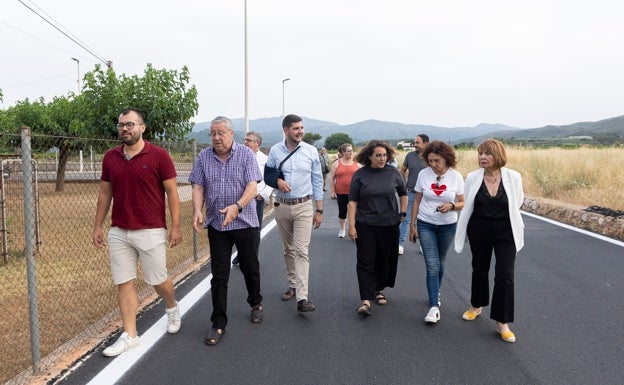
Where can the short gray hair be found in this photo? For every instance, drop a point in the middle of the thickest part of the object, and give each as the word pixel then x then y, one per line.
pixel 222 119
pixel 255 134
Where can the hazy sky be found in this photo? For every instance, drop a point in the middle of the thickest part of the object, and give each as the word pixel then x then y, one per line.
pixel 524 63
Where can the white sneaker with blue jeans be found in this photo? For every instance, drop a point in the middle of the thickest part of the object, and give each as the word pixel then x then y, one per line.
pixel 433 316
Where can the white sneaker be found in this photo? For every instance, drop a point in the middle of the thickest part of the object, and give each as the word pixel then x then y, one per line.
pixel 433 316
pixel 122 344
pixel 401 250
pixel 173 319
pixel 341 234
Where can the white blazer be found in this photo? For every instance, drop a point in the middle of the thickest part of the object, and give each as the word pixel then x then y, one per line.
pixel 512 182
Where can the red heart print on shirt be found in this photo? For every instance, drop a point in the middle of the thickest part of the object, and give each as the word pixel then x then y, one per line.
pixel 439 189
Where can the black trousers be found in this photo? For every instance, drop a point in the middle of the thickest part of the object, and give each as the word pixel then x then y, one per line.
pixel 260 213
pixel 487 236
pixel 221 243
pixel 377 258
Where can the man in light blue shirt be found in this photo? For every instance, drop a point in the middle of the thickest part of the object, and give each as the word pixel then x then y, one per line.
pixel 295 212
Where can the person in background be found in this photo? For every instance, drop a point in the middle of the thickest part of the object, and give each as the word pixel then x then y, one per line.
pixel 295 213
pixel 492 221
pixel 224 179
pixel 412 165
pixel 340 175
pixel 374 218
pixel 253 140
pixel 324 158
pixel 439 195
pixel 136 176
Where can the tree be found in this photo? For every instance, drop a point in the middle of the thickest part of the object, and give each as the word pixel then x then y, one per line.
pixel 311 138
pixel 163 95
pixel 334 141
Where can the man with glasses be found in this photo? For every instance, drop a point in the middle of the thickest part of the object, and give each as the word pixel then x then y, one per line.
pixel 253 140
pixel 295 212
pixel 136 176
pixel 412 165
pixel 225 177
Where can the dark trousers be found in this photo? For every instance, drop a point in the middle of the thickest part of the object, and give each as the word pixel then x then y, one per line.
pixel 260 212
pixel 343 202
pixel 221 243
pixel 487 236
pixel 377 258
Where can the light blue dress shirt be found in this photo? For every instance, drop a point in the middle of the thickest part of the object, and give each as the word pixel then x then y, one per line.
pixel 302 171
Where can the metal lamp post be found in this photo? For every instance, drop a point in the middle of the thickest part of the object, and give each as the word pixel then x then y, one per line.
pixel 283 110
pixel 78 78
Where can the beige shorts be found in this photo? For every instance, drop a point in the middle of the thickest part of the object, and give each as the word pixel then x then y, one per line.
pixel 127 247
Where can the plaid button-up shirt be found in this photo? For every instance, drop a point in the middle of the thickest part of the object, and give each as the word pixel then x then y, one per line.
pixel 224 183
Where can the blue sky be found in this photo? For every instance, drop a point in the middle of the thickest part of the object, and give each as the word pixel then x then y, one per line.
pixel 449 63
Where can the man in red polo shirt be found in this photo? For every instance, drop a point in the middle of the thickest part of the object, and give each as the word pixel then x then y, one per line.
pixel 135 177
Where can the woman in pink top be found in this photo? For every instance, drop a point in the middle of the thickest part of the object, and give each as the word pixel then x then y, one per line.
pixel 340 175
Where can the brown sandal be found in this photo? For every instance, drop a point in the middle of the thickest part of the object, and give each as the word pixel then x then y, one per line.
pixel 214 336
pixel 380 298
pixel 364 310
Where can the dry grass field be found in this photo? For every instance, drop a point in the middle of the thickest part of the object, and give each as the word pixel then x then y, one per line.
pixel 584 176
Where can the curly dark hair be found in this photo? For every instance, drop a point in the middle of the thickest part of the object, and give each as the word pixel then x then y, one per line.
pixel 443 149
pixel 363 156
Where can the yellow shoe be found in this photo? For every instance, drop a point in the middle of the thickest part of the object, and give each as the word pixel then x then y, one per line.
pixel 507 336
pixel 470 316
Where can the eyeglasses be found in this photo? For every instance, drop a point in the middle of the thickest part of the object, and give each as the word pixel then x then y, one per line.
pixel 250 140
pixel 438 179
pixel 128 125
pixel 381 155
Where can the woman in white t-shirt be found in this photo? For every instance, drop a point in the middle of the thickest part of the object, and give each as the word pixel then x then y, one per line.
pixel 439 195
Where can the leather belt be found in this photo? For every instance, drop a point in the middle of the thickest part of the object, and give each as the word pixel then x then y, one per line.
pixel 293 201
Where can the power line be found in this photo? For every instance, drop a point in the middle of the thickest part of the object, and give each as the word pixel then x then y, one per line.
pixel 36 38
pixel 66 34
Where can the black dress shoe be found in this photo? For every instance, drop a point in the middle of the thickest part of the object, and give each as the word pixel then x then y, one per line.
pixel 290 294
pixel 305 306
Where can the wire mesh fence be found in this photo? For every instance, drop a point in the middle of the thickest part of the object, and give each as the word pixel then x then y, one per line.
pixel 71 291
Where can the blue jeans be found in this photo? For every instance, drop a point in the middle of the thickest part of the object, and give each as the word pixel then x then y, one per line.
pixel 404 228
pixel 435 240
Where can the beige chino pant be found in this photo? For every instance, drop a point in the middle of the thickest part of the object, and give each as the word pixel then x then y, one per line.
pixel 295 227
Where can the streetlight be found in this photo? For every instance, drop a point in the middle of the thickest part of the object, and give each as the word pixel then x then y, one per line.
pixel 283 81
pixel 246 77
pixel 78 79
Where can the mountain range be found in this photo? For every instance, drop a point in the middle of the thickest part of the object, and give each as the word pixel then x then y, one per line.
pixel 607 131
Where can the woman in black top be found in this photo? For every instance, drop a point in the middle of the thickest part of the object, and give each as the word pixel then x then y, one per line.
pixel 374 218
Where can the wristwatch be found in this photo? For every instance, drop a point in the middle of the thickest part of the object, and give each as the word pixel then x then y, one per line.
pixel 403 214
pixel 319 211
pixel 240 208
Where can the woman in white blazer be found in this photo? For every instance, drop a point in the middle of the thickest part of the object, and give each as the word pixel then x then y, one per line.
pixel 492 222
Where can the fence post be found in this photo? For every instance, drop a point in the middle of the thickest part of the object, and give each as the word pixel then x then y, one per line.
pixel 29 247
pixel 194 151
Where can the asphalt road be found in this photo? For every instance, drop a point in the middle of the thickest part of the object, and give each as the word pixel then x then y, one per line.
pixel 569 312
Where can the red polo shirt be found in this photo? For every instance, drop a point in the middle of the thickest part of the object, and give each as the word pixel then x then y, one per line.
pixel 138 191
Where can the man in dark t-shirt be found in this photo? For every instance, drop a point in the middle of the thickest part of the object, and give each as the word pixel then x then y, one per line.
pixel 412 165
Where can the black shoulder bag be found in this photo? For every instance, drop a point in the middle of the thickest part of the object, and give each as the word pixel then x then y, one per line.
pixel 272 174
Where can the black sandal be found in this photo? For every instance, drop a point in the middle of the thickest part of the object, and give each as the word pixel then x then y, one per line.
pixel 256 314
pixel 214 336
pixel 364 310
pixel 380 298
